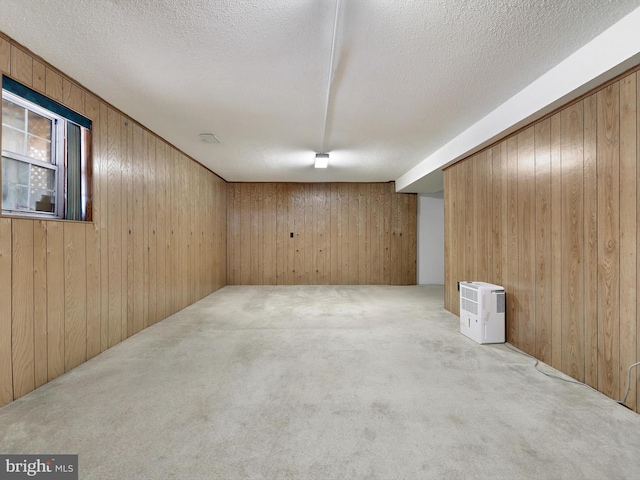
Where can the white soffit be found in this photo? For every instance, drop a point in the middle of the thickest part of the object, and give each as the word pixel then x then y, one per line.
pixel 609 54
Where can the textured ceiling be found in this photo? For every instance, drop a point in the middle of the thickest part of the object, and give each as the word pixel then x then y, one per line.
pixel 409 75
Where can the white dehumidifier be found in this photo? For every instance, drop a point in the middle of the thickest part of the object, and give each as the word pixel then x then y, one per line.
pixel 482 308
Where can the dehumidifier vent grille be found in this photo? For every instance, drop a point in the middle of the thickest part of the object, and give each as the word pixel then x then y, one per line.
pixel 500 303
pixel 469 306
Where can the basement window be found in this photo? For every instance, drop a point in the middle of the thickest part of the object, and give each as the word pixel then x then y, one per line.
pixel 45 154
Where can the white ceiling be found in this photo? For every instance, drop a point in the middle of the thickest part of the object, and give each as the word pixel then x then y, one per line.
pixel 409 75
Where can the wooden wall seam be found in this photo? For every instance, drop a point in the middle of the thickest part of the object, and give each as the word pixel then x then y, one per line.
pixel 343 233
pixel 156 243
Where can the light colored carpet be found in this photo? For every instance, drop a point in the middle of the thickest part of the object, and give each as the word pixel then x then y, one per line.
pixel 323 382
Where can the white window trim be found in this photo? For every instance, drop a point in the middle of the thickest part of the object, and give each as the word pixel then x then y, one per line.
pixel 58 157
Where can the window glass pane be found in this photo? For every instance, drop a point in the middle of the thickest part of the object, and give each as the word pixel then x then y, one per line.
pixel 39 148
pixel 15 172
pixel 27 187
pixel 12 114
pixel 13 140
pixel 42 178
pixel 42 200
pixel 39 125
pixel 15 180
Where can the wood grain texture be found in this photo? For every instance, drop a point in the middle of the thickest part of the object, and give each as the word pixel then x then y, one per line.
pixel 125 228
pixel 543 279
pixel 590 202
pixel 343 233
pixel 55 300
pixel 72 290
pixel 572 214
pixel 556 244
pixel 608 165
pixel 628 238
pixel 72 96
pixel 101 209
pixel 39 76
pixel 93 275
pixel 136 277
pixel 5 56
pixel 114 229
pixel 511 280
pixel 53 87
pixel 22 326
pixel 526 306
pixel 637 370
pixel 21 66
pixel 75 295
pixel 578 308
pixel 40 301
pixel 6 374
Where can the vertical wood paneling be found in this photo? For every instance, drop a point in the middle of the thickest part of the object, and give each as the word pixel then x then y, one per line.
pixel 497 206
pixel 150 224
pixel 300 233
pixel 353 245
pixel 269 232
pixel 21 66
pixel 137 276
pixel 526 241
pixel 608 240
pixel 245 235
pixel 101 182
pixel 125 165
pixel 572 214
pixel 22 331
pixel 233 224
pixel 73 289
pixel 114 229
pixel 324 228
pixel 628 231
pixel 468 227
pixel 376 235
pixel 75 295
pixel 542 228
pixel 341 234
pixel 481 229
pixel 511 281
pixel 590 202
pixel 556 244
pixel 39 76
pixel 55 300
pixel 637 370
pixel 363 232
pixel 40 301
pixel 93 290
pixel 162 294
pixel 53 85
pixel 6 375
pixel 256 246
pixel 578 308
pixel 5 56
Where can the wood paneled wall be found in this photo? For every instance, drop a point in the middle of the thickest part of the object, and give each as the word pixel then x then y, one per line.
pixel 343 233
pixel 553 215
pixel 157 243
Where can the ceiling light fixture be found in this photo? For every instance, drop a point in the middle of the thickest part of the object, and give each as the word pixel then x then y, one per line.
pixel 322 159
pixel 209 138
